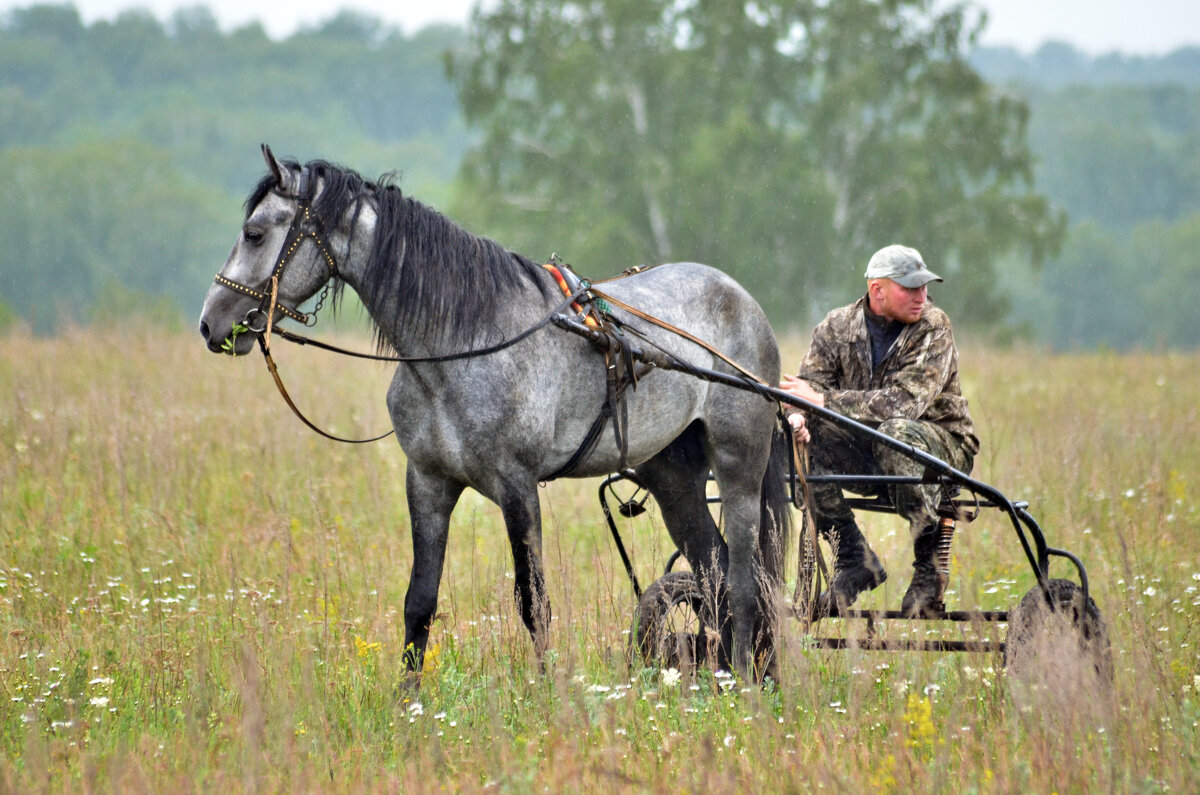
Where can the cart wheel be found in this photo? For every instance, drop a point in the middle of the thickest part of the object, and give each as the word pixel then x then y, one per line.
pixel 670 629
pixel 1064 650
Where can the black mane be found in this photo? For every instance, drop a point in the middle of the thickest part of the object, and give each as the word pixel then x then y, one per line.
pixel 449 283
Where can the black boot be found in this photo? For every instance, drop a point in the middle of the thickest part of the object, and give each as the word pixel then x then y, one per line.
pixel 924 594
pixel 856 568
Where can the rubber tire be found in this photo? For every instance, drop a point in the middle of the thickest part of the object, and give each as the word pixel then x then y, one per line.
pixel 1066 648
pixel 654 641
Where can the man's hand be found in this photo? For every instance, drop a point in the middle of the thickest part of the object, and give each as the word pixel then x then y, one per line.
pixel 802 389
pixel 799 428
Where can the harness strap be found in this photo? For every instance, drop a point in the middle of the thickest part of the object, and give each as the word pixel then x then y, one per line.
pixel 678 331
pixel 618 409
pixel 586 447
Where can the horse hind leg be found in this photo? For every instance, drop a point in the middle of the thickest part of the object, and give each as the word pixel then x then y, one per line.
pixel 750 592
pixel 677 477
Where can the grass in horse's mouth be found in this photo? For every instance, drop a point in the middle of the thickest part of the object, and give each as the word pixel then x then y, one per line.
pixel 230 343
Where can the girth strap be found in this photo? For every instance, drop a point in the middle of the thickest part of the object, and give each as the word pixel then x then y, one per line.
pixel 587 446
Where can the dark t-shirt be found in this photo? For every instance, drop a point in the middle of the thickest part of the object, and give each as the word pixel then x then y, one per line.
pixel 883 332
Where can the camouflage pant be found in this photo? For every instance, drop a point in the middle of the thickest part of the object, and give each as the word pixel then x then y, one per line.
pixel 835 450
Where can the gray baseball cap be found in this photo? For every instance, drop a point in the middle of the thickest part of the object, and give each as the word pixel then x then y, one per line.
pixel 901 264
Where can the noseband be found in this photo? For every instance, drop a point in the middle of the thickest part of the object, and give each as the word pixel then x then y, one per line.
pixel 305 226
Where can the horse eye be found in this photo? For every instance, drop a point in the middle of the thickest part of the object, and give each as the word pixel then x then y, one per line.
pixel 253 236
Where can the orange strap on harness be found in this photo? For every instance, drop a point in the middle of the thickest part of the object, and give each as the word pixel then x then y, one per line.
pixel 561 280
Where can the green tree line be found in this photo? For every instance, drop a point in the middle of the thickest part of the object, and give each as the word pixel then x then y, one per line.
pixel 1118 145
pixel 128 146
pixel 780 141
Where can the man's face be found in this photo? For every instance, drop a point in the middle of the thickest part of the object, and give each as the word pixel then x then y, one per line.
pixel 896 302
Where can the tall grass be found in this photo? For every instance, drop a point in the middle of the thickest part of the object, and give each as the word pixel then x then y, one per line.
pixel 198 594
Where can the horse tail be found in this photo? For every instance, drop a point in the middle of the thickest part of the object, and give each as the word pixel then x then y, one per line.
pixel 774 529
pixel 775 522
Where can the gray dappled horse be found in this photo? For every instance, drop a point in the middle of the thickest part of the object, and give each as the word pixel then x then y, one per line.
pixel 501 423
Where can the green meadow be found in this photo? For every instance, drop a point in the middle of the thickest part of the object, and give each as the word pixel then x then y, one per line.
pixel 197 594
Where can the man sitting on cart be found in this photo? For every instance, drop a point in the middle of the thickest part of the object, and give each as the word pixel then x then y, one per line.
pixel 888 361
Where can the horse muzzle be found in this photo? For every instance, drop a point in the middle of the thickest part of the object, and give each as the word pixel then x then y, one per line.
pixel 231 329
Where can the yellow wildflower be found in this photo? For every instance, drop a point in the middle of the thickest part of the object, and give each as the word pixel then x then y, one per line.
pixel 364 649
pixel 922 733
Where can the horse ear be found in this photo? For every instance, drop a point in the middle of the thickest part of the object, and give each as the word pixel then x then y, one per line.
pixel 273 164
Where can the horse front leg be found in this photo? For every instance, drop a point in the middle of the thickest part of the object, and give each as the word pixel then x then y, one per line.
pixel 431 499
pixel 523 520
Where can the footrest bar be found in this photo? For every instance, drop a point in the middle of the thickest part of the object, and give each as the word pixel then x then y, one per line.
pixel 948 615
pixel 910 645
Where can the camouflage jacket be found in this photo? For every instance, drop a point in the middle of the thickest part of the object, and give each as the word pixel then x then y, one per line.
pixel 917 378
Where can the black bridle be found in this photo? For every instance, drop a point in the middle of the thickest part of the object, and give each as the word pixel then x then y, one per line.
pixel 261 319
pixel 305 226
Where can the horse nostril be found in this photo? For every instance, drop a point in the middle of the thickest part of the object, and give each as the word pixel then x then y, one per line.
pixel 213 345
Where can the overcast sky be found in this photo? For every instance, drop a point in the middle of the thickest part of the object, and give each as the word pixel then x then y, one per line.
pixel 1135 27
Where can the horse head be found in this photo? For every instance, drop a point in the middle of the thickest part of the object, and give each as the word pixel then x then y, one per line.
pixel 281 259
